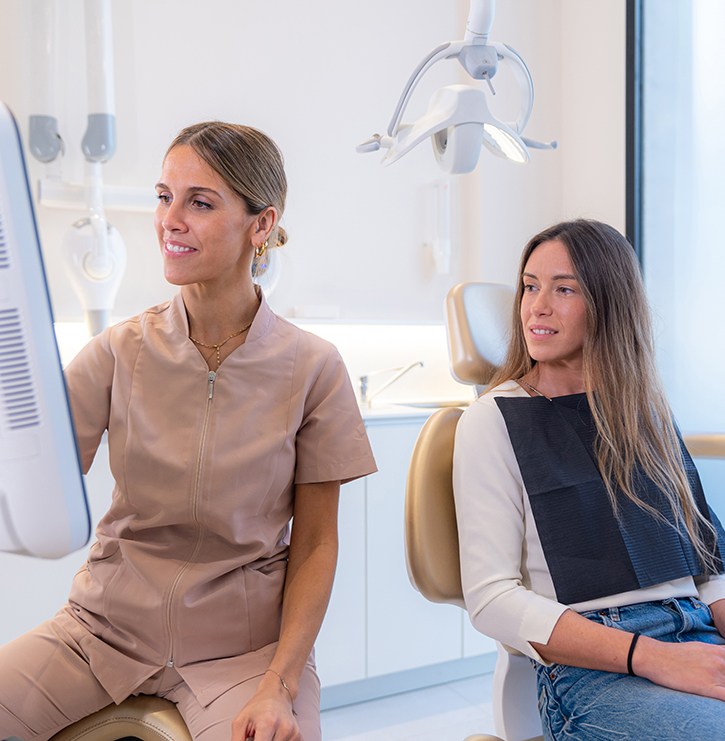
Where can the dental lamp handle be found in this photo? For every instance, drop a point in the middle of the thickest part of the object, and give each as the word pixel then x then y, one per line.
pixel 533 144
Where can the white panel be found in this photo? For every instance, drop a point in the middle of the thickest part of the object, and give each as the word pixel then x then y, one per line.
pixel 404 629
pixel 340 647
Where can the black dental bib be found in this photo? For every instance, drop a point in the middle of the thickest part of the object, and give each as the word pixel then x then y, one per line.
pixel 590 552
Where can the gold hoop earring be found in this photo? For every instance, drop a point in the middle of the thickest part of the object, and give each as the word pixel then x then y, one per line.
pixel 259 266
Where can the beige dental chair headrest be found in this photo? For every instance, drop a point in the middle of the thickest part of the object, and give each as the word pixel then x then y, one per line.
pixel 478 318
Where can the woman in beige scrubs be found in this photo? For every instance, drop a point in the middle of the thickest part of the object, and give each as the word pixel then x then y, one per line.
pixel 224 422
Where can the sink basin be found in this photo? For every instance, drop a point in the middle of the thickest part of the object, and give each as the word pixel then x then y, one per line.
pixel 433 403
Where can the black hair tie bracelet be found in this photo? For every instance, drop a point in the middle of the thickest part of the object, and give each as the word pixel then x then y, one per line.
pixel 635 638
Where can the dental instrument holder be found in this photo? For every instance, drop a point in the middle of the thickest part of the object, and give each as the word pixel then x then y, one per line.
pixel 366 399
pixel 480 59
pixel 97 260
pixel 44 140
pixel 99 140
pixel 95 255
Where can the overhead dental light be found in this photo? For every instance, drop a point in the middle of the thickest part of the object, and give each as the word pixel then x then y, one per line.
pixel 458 120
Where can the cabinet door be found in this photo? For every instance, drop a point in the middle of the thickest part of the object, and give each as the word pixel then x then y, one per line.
pixel 405 631
pixel 340 647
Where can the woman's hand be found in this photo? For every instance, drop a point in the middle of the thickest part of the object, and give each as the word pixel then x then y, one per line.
pixel 694 667
pixel 268 716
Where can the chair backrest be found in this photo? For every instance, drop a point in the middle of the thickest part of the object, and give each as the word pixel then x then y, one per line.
pixel 478 319
pixel 431 534
pixel 477 315
pixel 431 547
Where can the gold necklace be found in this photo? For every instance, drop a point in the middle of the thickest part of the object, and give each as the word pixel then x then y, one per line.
pixel 533 388
pixel 217 346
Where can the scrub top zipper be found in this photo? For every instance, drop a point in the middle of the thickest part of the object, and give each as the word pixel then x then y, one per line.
pixel 210 379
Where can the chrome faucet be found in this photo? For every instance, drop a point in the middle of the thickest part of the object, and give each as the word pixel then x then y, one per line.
pixel 366 398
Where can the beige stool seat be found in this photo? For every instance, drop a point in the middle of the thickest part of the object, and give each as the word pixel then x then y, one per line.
pixel 144 717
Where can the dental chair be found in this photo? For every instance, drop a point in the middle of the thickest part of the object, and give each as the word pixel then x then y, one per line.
pixel 142 718
pixel 475 348
pixel 476 315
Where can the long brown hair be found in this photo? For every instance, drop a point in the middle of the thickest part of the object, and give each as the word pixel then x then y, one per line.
pixel 633 420
pixel 248 161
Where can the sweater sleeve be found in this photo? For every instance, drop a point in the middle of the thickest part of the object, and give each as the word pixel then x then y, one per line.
pixel 711 588
pixel 489 497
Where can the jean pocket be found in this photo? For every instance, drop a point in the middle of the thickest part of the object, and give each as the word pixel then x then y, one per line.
pixel 604 617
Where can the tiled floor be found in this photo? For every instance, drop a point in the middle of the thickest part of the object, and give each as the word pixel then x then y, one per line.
pixel 448 712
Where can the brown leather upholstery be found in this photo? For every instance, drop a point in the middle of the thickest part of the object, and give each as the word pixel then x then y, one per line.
pixel 706 446
pixel 144 717
pixel 431 537
pixel 431 531
pixel 478 317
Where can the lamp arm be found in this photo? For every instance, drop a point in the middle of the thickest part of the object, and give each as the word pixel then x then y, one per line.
pixel 450 49
pixel 521 72
pixel 480 20
pixel 513 60
pixel 478 26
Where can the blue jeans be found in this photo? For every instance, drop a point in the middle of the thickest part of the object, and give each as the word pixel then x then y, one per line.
pixel 589 705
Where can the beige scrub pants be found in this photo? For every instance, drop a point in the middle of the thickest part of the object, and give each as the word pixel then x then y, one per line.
pixel 46 684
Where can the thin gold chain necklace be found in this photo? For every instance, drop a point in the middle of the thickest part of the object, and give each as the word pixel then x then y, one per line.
pixel 218 346
pixel 533 388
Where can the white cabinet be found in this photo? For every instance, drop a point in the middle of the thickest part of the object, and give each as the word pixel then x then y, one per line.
pixel 377 623
pixel 405 630
pixel 341 646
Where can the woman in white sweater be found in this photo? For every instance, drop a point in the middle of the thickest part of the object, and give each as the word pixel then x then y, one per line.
pixel 586 540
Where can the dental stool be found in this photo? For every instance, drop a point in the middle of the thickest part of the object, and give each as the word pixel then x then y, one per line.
pixel 145 718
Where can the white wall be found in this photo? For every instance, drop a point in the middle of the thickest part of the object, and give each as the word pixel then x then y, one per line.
pixel 321 76
pixel 592 116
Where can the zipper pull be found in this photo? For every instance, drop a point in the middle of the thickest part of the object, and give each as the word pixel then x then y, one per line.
pixel 210 384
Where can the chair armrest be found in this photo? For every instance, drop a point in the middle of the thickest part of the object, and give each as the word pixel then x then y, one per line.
pixel 705 446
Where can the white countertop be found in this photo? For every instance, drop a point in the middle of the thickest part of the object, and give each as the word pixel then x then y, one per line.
pixel 422 409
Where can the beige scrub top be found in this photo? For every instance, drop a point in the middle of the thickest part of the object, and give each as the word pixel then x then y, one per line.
pixel 189 563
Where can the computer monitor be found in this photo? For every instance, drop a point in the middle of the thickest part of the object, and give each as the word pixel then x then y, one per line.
pixel 43 506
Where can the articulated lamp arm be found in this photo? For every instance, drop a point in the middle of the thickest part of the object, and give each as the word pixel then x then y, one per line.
pixel 463 107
